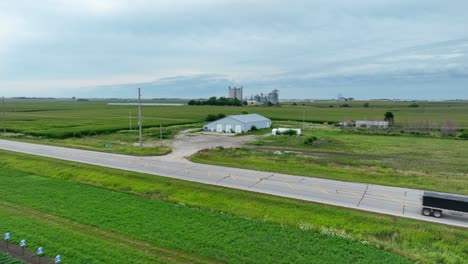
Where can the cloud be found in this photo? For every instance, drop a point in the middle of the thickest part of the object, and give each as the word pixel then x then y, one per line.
pixel 53 43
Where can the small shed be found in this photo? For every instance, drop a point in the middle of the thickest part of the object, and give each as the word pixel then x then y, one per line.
pixel 238 124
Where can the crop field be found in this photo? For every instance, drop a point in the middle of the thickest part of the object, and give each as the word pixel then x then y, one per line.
pixel 130 212
pixel 405 161
pixel 5 259
pixel 62 119
pixel 64 215
pixel 91 214
pixel 94 125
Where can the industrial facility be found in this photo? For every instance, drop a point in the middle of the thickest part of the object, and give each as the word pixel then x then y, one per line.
pixel 236 93
pixel 238 124
pixel 272 97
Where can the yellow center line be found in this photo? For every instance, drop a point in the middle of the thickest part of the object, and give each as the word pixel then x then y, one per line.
pixel 393 199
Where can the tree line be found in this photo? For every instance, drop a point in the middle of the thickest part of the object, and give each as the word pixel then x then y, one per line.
pixel 222 101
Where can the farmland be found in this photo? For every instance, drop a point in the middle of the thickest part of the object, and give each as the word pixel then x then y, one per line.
pixel 403 161
pixel 5 259
pixel 94 125
pixel 63 184
pixel 127 217
pixel 62 119
pixel 73 218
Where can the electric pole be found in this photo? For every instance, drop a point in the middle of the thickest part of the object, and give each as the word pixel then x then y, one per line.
pixel 4 123
pixel 139 118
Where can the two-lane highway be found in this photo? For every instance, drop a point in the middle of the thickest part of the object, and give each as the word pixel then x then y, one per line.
pixel 373 198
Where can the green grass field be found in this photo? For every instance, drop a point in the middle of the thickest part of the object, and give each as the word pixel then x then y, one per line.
pixel 6 259
pixel 404 161
pixel 59 214
pixel 203 221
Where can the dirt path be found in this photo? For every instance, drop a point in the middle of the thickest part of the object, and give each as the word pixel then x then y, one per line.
pixel 168 254
pixel 187 143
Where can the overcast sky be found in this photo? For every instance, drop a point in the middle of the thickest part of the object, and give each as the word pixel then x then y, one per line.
pixel 182 48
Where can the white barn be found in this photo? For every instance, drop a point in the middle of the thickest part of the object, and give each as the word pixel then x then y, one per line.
pixel 238 124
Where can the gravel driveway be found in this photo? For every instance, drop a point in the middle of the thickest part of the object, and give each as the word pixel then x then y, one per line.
pixel 187 143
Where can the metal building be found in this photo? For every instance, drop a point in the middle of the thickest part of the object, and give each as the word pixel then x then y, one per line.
pixel 272 97
pixel 238 124
pixel 236 93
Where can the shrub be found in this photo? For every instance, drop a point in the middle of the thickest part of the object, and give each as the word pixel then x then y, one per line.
pixel 345 105
pixel 245 112
pixel 366 105
pixel 290 133
pixel 464 134
pixel 253 128
pixel 310 140
pixel 211 118
pixel 413 105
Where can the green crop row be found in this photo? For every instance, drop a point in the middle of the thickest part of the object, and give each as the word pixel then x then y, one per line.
pixel 6 259
pixel 418 241
pixel 210 234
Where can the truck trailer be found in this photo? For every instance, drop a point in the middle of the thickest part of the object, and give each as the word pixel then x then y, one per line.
pixel 435 203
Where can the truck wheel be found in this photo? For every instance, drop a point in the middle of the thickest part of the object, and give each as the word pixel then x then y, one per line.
pixel 437 214
pixel 426 212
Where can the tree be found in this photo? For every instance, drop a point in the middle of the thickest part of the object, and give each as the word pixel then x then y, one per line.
pixel 390 118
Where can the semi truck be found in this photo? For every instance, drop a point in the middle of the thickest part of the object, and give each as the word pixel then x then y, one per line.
pixel 434 203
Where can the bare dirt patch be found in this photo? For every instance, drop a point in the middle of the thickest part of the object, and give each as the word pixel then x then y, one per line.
pixel 187 143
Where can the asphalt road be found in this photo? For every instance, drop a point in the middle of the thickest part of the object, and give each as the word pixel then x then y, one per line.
pixel 366 197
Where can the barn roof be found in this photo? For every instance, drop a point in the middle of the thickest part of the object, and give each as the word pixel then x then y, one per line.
pixel 249 118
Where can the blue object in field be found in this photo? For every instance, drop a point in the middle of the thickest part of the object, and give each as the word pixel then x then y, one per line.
pixel 40 251
pixel 7 236
pixel 58 259
pixel 23 243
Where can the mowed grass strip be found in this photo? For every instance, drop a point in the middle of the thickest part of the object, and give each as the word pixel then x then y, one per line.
pixel 222 237
pixel 418 241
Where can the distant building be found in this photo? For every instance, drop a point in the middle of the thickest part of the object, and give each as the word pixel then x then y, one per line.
pixel 365 124
pixel 372 124
pixel 272 97
pixel 236 93
pixel 344 99
pixel 238 124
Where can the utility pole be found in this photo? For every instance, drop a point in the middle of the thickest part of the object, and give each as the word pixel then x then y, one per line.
pixel 139 118
pixel 4 122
